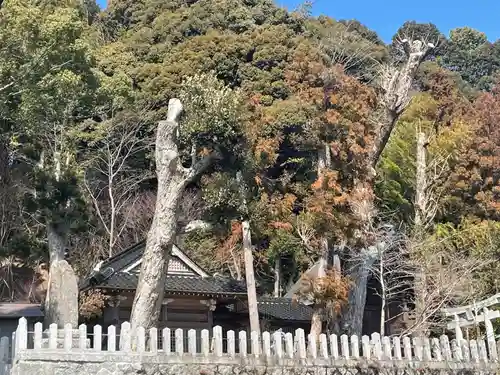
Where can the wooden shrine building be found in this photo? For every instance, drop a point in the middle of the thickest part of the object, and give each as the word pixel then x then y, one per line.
pixel 193 298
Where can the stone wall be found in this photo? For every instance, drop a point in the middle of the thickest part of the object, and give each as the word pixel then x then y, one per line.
pixel 56 363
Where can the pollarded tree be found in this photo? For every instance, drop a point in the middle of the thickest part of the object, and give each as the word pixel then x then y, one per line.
pixel 208 131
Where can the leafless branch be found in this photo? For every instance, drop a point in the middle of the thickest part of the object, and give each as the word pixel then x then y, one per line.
pixel 110 181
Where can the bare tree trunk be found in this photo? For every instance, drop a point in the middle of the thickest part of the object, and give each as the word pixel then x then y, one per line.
pixel 253 311
pixel 324 162
pixel 277 277
pixel 56 243
pixel 150 289
pixel 383 297
pixel 172 181
pixel 421 182
pixel 419 225
pixel 316 323
pixel 237 267
pixel 112 218
pixel 352 323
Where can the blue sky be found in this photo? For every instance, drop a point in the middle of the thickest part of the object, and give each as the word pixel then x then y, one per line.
pixel 385 16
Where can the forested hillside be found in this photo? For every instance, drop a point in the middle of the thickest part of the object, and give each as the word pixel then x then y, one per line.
pixel 311 130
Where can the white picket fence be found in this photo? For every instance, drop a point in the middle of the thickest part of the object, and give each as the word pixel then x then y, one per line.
pixel 210 345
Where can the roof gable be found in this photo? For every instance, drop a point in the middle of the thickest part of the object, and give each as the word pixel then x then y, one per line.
pixel 310 273
pixel 179 265
pixel 130 260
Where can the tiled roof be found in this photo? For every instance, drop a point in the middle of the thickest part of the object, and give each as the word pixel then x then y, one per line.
pixel 113 276
pixel 180 284
pixel 284 309
pixel 17 310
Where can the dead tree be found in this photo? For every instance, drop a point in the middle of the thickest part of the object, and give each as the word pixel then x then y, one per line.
pixel 173 178
pixel 253 311
pixel 396 83
pixel 115 189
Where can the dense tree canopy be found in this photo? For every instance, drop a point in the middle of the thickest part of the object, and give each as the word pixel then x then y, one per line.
pixel 81 90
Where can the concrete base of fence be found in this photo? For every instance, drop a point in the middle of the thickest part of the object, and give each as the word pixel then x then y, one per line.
pixel 146 364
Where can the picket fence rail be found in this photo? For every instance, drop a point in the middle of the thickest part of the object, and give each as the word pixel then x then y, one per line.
pixel 277 345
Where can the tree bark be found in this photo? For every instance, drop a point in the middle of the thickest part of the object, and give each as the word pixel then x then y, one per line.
pixel 253 311
pixel 397 83
pixel 419 227
pixel 277 277
pixel 172 181
pixel 56 243
pixel 383 297
pixel 421 183
pixel 352 323
pixel 324 162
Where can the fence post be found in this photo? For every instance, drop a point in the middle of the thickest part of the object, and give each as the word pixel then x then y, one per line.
pixel 205 342
pixel 397 348
pixel 218 341
pixel 417 347
pixel 436 349
pixel 242 343
pixel 111 339
pixel 377 346
pixel 53 336
pixel 68 337
pixel 179 342
pixel 407 348
pixel 427 349
pixel 153 340
pixel 166 340
pixel 22 335
pixel 255 344
pixel 334 346
pixel 483 354
pixel 474 353
pixel 38 335
pixel 289 345
pixel 465 350
pixel 192 342
pixel 456 350
pixel 323 346
pixel 344 345
pixel 125 337
pixel 365 343
pixel 300 339
pixel 313 350
pixel 386 345
pixel 231 343
pixel 355 346
pixel 141 340
pixel 278 344
pixel 445 347
pixel 490 336
pixel 97 345
pixel 266 343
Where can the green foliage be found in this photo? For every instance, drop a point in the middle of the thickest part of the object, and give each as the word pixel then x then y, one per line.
pixel 212 111
pixel 261 88
pixel 469 53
